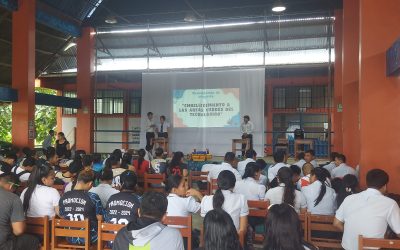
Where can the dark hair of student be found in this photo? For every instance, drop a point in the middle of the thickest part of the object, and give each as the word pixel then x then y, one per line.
pixel 149 113
pixel 87 160
pixel 96 158
pixel 11 155
pixel 251 153
pixel 50 152
pixel 311 151
pixel 226 181
pixel 29 162
pixel 251 170
pixel 229 157
pixel 173 181
pixel 86 176
pixel 163 117
pixel 111 161
pixel 333 156
pixel 284 229
pixel 326 172
pixel 261 163
pixel 341 158
pixel 285 176
pixel 377 178
pixel 348 187
pixel 42 170
pixel 153 205
pixel 279 156
pixel 300 156
pixel 106 175
pixel 141 155
pixel 26 151
pixel 321 177
pixel 159 152
pixel 219 231
pixel 336 184
pixel 117 153
pixel 176 159
pixel 128 180
pixel 295 170
pixel 126 160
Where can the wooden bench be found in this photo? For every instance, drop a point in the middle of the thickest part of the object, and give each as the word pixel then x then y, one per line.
pixel 323 224
pixel 66 228
pixel 40 227
pixel 106 233
pixel 151 180
pixel 377 243
pixel 198 176
pixel 258 209
pixel 185 227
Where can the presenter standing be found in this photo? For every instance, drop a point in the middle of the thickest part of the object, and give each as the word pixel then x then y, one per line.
pixel 246 129
pixel 150 127
pixel 162 127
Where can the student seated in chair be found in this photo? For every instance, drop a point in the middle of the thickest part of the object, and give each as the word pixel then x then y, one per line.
pixel 24 170
pixel 147 232
pixel 12 218
pixel 341 167
pixel 80 204
pixel 158 164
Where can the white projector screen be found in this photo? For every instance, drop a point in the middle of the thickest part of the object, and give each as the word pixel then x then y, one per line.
pixel 196 106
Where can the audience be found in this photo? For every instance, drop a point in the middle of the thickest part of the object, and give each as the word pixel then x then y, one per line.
pixel 320 198
pixel 8 162
pixel 126 162
pixel 348 187
pixel 305 180
pixel 141 165
pixel 24 170
pixel 341 168
pixel 280 158
pixel 79 204
pixel 368 213
pixel 148 232
pixel 330 166
pixel 113 163
pixel 284 230
pixel 123 206
pixel 12 218
pixel 177 166
pixel 249 186
pixel 40 198
pixel 219 232
pixel 104 190
pixel 251 156
pixel 309 157
pixel 158 164
pixel 230 163
pixel 300 160
pixel 234 204
pixel 286 192
pixel 97 163
pixel 296 171
pixel 52 157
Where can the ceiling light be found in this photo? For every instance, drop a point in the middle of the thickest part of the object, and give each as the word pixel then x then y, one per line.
pixel 111 20
pixel 190 17
pixel 278 6
pixel 70 45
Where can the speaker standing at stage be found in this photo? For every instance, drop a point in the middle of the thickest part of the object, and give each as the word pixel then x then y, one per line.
pixel 150 127
pixel 162 128
pixel 246 129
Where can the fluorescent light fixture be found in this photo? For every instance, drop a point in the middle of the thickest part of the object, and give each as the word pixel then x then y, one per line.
pixel 190 17
pixel 70 45
pixel 278 6
pixel 94 8
pixel 111 20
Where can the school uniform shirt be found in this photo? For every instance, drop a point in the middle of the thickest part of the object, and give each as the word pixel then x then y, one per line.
pixel 342 170
pixel 367 213
pixel 149 126
pixel 234 204
pixel 164 129
pixel 122 208
pixel 314 163
pixel 330 166
pixel 21 173
pixel 181 206
pixel 327 206
pixel 43 201
pixel 275 196
pixel 250 188
pixel 78 205
pixel 104 191
pixel 273 170
pixel 241 167
pixel 263 180
pixel 207 167
pixel 300 164
pixel 214 172
pixel 247 128
pixel 158 166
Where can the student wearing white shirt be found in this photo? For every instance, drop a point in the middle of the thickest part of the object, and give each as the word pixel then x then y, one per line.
pixel 286 192
pixel 247 128
pixel 309 157
pixel 24 170
pixel 280 162
pixel 104 190
pixel 331 165
pixel 234 204
pixel 39 198
pixel 368 213
pixel 150 129
pixel 251 156
pixel 163 127
pixel 181 202
pixel 300 160
pixel 249 186
pixel 320 198
pixel 230 163
pixel 341 168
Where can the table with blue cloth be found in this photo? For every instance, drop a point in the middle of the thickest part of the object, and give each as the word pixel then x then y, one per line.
pixel 197 165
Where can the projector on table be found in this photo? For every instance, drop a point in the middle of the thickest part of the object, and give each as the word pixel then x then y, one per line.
pixel 200 155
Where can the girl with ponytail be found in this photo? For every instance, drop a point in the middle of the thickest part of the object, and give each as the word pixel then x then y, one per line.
pixel 234 204
pixel 249 185
pixel 321 199
pixel 286 192
pixel 40 198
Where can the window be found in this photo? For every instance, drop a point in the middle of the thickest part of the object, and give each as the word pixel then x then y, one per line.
pixel 109 102
pixel 305 98
pixel 279 98
pixel 69 111
pixel 135 102
pixel 301 97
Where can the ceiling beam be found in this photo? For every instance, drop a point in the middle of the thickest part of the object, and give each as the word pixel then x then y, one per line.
pixel 38 50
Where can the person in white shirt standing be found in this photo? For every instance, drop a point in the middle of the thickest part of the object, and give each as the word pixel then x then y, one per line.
pixel 230 163
pixel 150 129
pixel 342 168
pixel 309 157
pixel 280 162
pixel 368 213
pixel 251 156
pixel 249 186
pixel 162 128
pixel 247 129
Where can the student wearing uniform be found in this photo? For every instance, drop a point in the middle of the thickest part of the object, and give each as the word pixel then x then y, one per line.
pixel 79 204
pixel 249 186
pixel 305 180
pixel 368 213
pixel 25 169
pixel 280 162
pixel 148 232
pixel 162 128
pixel 309 157
pixel 286 192
pixel 296 171
pixel 347 186
pixel 180 200
pixel 52 158
pixel 251 156
pixel 122 207
pixel 321 199
pixel 40 198
pixel 104 190
pixel 158 164
pixel 230 163
pixel 331 165
pixel 342 168
pixel 234 204
pixel 300 160
pixel 8 162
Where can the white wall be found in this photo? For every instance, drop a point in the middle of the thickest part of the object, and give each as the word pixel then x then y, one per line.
pixel 68 125
pixel 134 124
pixel 105 123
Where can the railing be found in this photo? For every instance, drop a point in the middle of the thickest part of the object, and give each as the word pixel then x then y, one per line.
pixel 132 138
